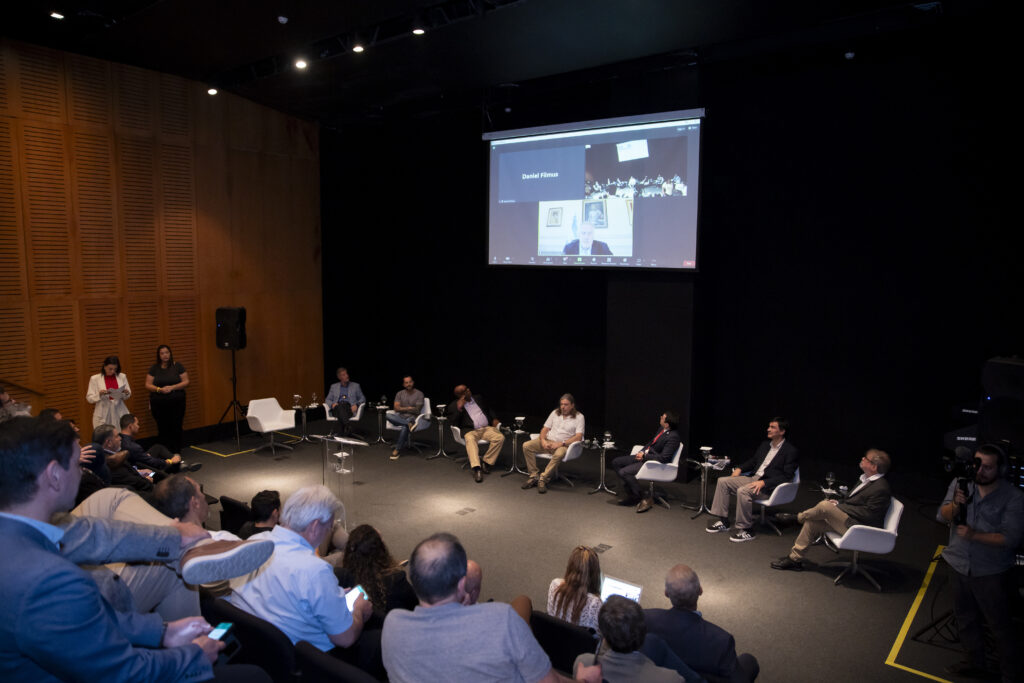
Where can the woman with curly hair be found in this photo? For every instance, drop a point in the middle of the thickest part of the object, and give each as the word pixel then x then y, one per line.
pixel 369 564
pixel 577 597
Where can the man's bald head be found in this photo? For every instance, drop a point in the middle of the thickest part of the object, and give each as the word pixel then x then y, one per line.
pixel 436 567
pixel 682 587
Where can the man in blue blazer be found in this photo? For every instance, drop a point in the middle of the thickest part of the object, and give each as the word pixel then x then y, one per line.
pixel 774 463
pixel 662 448
pixel 54 624
pixel 706 648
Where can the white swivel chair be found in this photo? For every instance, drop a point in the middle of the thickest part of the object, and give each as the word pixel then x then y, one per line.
pixel 355 418
pixel 422 422
pixel 868 539
pixel 783 494
pixel 481 443
pixel 266 416
pixel 574 451
pixel 654 471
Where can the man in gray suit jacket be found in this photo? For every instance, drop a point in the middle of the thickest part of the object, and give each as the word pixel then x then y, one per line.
pixel 54 624
pixel 866 504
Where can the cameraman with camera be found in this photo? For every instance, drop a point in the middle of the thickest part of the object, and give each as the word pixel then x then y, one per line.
pixel 986 518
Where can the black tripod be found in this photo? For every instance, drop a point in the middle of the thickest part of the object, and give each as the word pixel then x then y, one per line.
pixel 234 405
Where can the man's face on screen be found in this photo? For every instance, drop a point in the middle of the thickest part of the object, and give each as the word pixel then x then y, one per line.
pixel 586 235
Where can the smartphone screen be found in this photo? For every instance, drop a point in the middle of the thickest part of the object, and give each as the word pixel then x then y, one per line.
pixel 351 596
pixel 222 628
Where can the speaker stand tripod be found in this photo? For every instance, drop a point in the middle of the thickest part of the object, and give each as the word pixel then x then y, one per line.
pixel 234 406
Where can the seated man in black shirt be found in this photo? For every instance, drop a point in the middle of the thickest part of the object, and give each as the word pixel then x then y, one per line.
pixel 158 458
pixel 266 510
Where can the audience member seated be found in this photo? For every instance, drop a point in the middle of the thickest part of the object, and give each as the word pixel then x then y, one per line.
pixel 773 463
pixel 622 626
pixel 266 511
pixel 297 591
pixel 158 458
pixel 703 646
pixel 155 587
pixel 54 623
pixel 343 399
pixel 576 598
pixel 446 640
pixel 867 504
pixel 408 404
pixel 368 563
pixel 9 408
pixel 111 462
pixel 474 583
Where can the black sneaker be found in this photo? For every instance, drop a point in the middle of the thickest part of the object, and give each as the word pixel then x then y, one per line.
pixel 742 535
pixel 716 527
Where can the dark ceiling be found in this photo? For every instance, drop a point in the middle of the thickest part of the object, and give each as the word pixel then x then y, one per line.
pixel 473 51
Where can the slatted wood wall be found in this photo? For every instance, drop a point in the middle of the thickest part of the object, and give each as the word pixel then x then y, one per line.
pixel 132 205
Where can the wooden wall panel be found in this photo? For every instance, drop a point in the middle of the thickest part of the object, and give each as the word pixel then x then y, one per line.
pixel 60 365
pixel 41 83
pixel 12 255
pixel 138 215
pixel 135 102
pixel 178 210
pixel 132 205
pixel 90 95
pixel 97 243
pixel 47 210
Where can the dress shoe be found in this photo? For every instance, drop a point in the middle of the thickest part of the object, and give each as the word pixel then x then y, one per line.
pixel 477 476
pixel 222 560
pixel 787 563
pixel 644 505
pixel 542 486
pixel 530 483
pixel 191 467
pixel 786 517
pixel 485 468
pixel 394 454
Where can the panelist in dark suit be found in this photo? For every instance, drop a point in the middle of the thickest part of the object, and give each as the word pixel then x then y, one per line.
pixel 586 245
pixel 866 504
pixel 661 448
pixel 474 417
pixel 774 463
pixel 706 648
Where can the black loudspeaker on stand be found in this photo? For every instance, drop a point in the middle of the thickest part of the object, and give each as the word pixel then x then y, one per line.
pixel 231 335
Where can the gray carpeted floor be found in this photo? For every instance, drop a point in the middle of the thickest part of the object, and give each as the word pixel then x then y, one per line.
pixel 799 625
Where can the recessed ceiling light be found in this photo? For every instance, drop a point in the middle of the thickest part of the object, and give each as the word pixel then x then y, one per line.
pixel 211 91
pixel 418 31
pixel 300 64
pixel 56 15
pixel 357 48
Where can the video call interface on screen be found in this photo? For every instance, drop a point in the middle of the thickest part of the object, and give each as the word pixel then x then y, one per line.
pixel 616 193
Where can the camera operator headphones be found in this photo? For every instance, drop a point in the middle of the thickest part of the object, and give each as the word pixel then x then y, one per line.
pixel 1001 462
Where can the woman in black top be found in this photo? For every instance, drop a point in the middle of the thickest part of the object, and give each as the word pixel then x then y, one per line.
pixel 166 382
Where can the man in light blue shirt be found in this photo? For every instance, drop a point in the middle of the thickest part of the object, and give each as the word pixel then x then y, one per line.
pixel 295 590
pixel 343 399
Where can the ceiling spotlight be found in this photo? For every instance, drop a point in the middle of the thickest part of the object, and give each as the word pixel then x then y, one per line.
pixel 282 20
pixel 211 91
pixel 56 15
pixel 418 31
pixel 300 64
pixel 357 48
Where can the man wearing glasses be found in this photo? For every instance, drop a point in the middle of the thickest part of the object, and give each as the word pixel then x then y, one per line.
pixel 866 504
